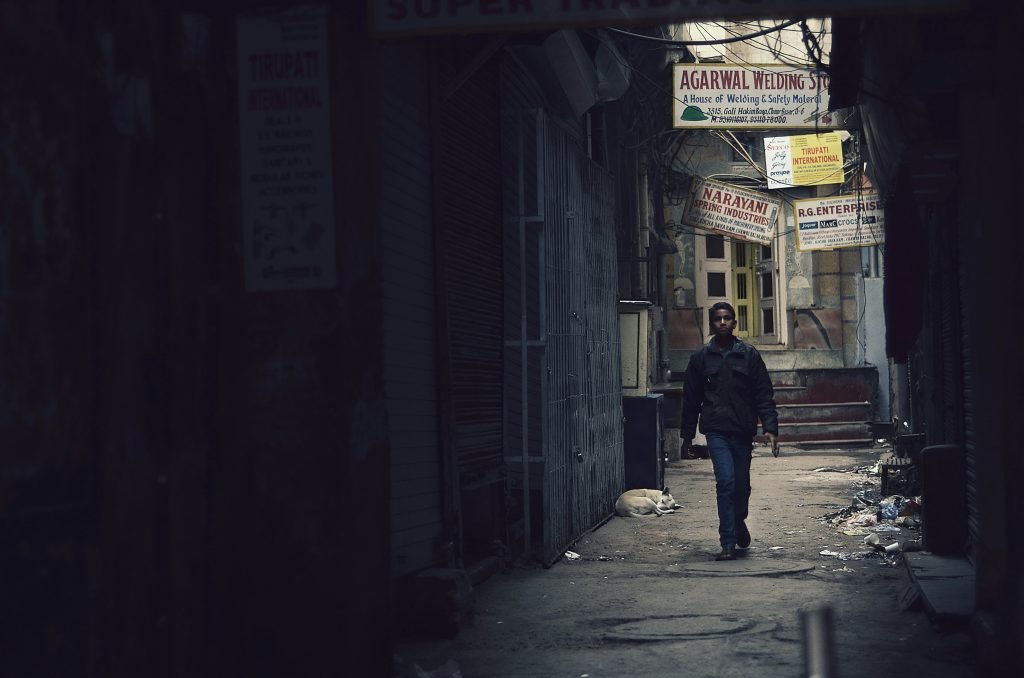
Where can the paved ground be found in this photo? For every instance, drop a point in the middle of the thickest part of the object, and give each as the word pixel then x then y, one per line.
pixel 645 596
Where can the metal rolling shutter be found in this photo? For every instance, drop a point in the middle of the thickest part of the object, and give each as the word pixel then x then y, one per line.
pixel 949 328
pixel 582 310
pixel 563 380
pixel 410 374
pixel 969 427
pixel 469 211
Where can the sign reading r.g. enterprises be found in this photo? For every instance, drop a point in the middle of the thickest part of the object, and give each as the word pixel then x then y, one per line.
pixel 732 96
pixel 839 221
pixel 737 212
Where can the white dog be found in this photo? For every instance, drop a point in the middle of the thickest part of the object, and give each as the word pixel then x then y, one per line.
pixel 633 503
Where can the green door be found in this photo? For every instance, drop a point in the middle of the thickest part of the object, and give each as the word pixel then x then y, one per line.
pixel 744 295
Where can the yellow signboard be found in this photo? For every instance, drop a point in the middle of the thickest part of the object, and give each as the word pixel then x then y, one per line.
pixel 806 160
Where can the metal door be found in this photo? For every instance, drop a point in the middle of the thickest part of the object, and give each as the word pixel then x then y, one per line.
pixel 563 385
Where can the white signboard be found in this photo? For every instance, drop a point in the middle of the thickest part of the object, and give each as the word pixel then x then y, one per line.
pixel 285 128
pixel 745 96
pixel 403 17
pixel 805 160
pixel 839 221
pixel 737 212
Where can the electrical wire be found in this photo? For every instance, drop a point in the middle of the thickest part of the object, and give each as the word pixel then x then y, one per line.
pixel 777 52
pixel 676 142
pixel 723 41
pixel 734 59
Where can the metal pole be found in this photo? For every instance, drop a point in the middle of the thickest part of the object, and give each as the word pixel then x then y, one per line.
pixel 819 647
pixel 523 345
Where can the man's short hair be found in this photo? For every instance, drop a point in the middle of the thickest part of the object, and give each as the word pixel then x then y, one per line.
pixel 722 306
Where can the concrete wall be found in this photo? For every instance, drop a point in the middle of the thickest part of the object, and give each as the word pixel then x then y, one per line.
pixel 872 334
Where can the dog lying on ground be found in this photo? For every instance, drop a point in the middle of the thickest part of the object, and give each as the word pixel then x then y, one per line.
pixel 633 503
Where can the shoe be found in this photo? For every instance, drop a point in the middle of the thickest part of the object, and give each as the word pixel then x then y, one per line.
pixel 727 553
pixel 742 535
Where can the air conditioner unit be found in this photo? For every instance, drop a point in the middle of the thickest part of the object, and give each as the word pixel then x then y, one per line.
pixel 574 69
pixel 634 343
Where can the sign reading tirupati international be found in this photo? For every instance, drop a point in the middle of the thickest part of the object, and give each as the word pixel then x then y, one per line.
pixel 806 160
pixel 737 212
pixel 731 96
pixel 839 221
pixel 405 17
pixel 285 150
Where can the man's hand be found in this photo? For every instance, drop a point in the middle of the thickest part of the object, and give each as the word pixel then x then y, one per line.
pixel 775 443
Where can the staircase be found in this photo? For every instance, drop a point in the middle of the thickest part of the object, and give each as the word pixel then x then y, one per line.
pixel 827 406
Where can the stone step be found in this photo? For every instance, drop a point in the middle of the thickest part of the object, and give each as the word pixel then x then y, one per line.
pixel 823 412
pixel 838 443
pixel 803 359
pixel 825 431
pixel 860 380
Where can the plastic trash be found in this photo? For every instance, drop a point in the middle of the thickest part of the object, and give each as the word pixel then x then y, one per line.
pixel 862 519
pixel 572 555
pixel 892 507
pixel 910 508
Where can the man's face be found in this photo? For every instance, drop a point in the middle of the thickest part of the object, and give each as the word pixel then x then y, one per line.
pixel 722 323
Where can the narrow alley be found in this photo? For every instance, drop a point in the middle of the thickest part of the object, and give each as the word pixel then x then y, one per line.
pixel 645 596
pixel 331 333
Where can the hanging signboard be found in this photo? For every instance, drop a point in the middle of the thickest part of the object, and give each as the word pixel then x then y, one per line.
pixel 839 221
pixel 737 212
pixel 285 145
pixel 806 160
pixel 734 96
pixel 410 17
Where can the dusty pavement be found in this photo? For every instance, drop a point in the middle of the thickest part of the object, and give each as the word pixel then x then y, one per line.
pixel 645 596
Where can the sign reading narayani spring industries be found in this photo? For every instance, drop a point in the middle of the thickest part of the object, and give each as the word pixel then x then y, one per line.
pixel 285 134
pixel 806 160
pixel 839 221
pixel 732 96
pixel 731 210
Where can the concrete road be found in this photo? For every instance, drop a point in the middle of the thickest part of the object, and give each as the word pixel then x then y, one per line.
pixel 645 596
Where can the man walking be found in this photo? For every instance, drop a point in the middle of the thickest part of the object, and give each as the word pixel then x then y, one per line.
pixel 728 387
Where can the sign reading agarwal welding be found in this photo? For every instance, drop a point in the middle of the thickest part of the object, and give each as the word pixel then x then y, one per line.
pixel 839 221
pixel 737 212
pixel 732 96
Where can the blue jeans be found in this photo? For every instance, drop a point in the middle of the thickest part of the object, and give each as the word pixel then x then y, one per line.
pixel 730 455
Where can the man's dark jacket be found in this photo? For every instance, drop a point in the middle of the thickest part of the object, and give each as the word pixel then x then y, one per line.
pixel 730 390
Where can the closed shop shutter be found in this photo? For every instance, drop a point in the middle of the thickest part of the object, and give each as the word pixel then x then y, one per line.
pixel 410 375
pixel 469 216
pixel 564 386
pixel 949 327
pixel 970 430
